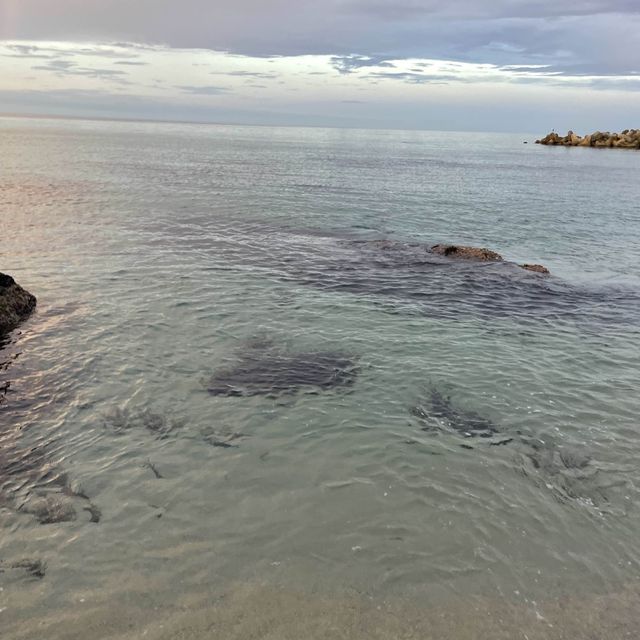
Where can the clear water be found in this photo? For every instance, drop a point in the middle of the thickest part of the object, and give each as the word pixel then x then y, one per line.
pixel 161 253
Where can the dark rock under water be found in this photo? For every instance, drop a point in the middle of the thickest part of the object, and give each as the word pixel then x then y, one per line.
pixel 269 372
pixel 15 304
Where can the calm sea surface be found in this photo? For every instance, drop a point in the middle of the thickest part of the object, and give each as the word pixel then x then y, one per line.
pixel 175 461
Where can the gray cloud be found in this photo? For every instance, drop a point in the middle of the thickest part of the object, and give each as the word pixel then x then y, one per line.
pixel 66 68
pixel 348 64
pixel 246 74
pixel 419 78
pixel 57 66
pixel 568 33
pixel 203 90
pixel 25 51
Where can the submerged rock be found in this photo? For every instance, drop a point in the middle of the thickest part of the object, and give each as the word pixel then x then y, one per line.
pixel 466 253
pixel 272 372
pixel 412 254
pixel 15 304
pixel 479 254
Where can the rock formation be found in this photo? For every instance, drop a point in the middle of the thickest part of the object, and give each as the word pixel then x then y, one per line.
pixel 627 139
pixel 479 254
pixel 15 304
pixel 537 268
pixel 466 253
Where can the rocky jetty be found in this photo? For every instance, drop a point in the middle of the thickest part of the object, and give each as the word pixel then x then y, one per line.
pixel 627 139
pixel 15 304
pixel 479 254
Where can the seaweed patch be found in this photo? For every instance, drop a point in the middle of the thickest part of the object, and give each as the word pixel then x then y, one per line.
pixel 161 426
pixel 223 438
pixel 572 475
pixel 271 372
pixel 33 568
pixel 569 473
pixel 51 509
pixel 31 483
pixel 440 413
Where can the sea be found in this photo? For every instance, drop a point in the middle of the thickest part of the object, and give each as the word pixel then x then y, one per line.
pixel 252 403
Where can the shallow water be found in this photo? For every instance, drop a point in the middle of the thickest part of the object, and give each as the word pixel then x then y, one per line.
pixel 475 452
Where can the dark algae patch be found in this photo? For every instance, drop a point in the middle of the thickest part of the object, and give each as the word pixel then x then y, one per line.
pixel 31 482
pixel 163 426
pixel 160 425
pixel 466 423
pixel 29 567
pixel 570 473
pixel 270 371
pixel 223 438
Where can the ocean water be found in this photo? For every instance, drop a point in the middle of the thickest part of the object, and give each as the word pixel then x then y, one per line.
pixel 252 405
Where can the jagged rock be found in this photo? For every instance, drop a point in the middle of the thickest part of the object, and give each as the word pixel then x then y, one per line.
pixel 585 142
pixel 466 253
pixel 15 304
pixel 479 254
pixel 627 139
pixel 538 268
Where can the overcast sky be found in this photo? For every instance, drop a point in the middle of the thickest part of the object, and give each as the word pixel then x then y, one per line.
pixel 515 65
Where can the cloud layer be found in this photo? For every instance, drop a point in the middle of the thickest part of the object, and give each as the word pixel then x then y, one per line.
pixel 571 35
pixel 456 64
pixel 158 82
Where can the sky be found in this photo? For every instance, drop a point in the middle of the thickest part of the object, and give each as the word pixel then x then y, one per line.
pixel 483 65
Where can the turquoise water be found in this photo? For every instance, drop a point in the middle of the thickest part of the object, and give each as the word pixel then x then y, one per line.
pixel 162 255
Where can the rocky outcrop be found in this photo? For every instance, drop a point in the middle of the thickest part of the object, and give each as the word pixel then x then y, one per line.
pixel 627 139
pixel 15 304
pixel 537 268
pixel 479 255
pixel 466 253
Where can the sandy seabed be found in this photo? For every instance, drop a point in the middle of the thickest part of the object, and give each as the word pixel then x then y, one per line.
pixel 251 611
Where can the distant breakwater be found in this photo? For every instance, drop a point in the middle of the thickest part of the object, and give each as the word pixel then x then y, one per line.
pixel 627 139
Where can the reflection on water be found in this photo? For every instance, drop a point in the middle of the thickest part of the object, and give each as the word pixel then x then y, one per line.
pixel 238 411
